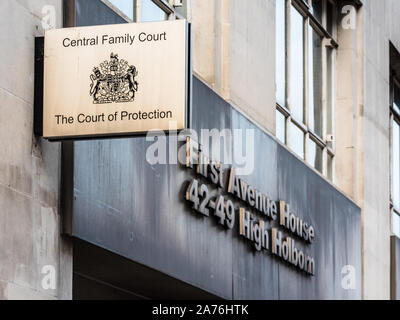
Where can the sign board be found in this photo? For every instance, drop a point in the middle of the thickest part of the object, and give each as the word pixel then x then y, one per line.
pixel 115 79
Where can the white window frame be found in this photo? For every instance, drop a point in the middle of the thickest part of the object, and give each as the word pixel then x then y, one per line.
pixel 326 142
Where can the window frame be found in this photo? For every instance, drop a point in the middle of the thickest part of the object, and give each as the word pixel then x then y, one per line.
pixel 394 117
pixel 325 141
pixel 164 5
pixel 118 11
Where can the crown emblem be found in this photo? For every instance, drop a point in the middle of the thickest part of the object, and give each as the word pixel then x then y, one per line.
pixel 113 81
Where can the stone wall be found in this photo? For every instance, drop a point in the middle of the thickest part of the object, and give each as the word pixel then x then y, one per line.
pixel 234 53
pixel 29 166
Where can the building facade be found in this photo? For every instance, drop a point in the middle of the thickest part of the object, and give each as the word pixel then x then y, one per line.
pixel 316 85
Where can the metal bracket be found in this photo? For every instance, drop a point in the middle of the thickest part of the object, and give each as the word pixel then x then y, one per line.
pixel 38 87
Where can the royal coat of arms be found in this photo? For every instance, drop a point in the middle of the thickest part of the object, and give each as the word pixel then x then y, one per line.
pixel 113 81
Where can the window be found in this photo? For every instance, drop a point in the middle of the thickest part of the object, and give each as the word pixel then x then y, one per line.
pixel 395 158
pixel 280 127
pixel 125 6
pixel 280 53
pixel 305 73
pixel 148 10
pixel 296 79
pixel 152 12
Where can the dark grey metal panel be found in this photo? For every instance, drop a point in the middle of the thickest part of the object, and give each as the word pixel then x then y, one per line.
pixel 255 275
pixel 338 232
pixel 346 245
pixel 133 279
pixel 205 116
pixel 137 210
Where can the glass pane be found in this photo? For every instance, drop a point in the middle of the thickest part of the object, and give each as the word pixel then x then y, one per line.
pixel 297 140
pixel 329 17
pixel 315 82
pixel 330 90
pixel 315 155
pixel 396 165
pixel 151 12
pixel 126 6
pixel 183 9
pixel 396 99
pixel 280 127
pixel 396 224
pixel 330 168
pixel 280 51
pixel 296 64
pixel 316 9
